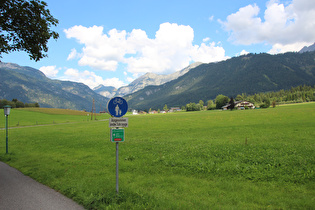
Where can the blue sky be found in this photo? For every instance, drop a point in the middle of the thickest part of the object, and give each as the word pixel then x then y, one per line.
pixel 114 42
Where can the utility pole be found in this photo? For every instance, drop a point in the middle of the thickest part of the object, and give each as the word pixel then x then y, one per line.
pixel 93 109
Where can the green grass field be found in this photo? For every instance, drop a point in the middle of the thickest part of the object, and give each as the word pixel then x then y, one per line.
pixel 249 159
pixel 42 116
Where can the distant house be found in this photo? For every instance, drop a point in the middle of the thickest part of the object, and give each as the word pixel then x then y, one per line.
pixel 240 105
pixel 134 112
pixel 243 104
pixel 153 112
pixel 175 109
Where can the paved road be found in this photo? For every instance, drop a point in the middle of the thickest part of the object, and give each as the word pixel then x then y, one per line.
pixel 18 191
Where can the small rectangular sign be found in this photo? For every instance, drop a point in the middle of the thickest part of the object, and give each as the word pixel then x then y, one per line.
pixel 118 122
pixel 117 135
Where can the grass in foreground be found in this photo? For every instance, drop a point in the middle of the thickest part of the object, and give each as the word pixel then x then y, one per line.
pixel 241 159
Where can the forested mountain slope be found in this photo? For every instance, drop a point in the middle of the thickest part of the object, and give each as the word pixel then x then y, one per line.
pixel 32 86
pixel 251 73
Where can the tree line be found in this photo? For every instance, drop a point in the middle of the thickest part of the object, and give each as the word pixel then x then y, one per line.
pixel 16 104
pixel 297 94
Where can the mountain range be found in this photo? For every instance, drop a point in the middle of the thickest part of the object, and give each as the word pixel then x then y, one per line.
pixel 30 85
pixel 308 49
pixel 141 82
pixel 250 74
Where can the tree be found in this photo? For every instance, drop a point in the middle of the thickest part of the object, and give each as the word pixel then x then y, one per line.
pixel 18 104
pixel 210 105
pixel 5 102
pixel 165 108
pixel 192 107
pixel 220 101
pixel 201 103
pixel 239 98
pixel 25 25
pixel 232 104
pixel 188 107
pixel 266 103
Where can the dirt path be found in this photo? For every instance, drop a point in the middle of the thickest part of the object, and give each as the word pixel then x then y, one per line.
pixel 30 126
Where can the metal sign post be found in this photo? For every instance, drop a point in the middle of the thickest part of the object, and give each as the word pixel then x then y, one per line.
pixel 117 171
pixel 117 107
pixel 117 135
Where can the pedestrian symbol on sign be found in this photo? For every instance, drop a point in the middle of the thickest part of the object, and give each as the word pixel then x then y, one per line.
pixel 118 111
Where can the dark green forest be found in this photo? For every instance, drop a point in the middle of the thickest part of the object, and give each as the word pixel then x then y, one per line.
pixel 16 104
pixel 297 94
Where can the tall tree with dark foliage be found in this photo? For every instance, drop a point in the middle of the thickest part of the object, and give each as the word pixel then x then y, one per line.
pixel 25 25
pixel 232 104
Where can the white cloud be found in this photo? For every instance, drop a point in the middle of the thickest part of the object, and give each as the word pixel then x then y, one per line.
pixel 285 27
pixel 170 50
pixel 100 51
pixel 90 78
pixel 208 53
pixel 243 52
pixel 279 48
pixel 211 18
pixel 206 39
pixel 72 73
pixel 130 79
pixel 115 82
pixel 50 71
pixel 73 54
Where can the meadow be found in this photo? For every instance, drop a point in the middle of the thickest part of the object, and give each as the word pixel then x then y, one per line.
pixel 42 116
pixel 247 159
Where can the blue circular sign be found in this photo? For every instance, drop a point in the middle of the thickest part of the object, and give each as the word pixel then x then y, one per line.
pixel 117 106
